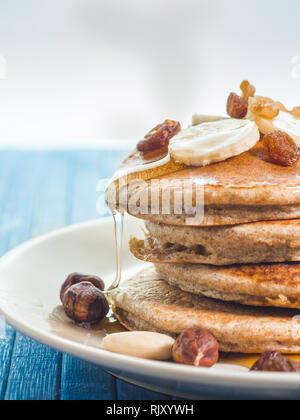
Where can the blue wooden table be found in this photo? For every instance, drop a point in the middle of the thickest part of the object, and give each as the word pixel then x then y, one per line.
pixel 41 191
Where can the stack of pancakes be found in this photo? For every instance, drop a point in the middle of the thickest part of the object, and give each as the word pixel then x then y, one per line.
pixel 235 273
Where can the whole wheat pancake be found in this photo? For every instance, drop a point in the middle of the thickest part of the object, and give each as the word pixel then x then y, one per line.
pixel 246 188
pixel 273 241
pixel 256 285
pixel 148 303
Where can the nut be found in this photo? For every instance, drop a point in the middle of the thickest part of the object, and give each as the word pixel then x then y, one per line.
pixel 272 361
pixel 237 107
pixel 282 107
pixel 159 137
pixel 247 89
pixel 76 278
pixel 196 347
pixel 264 107
pixel 281 148
pixel 142 344
pixel 85 303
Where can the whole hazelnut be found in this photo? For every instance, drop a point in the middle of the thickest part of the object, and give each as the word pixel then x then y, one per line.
pixel 85 303
pixel 237 107
pixel 273 361
pixel 76 278
pixel 196 347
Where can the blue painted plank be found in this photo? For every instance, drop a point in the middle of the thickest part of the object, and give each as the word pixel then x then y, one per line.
pixel 9 223
pixel 9 219
pixel 7 337
pixel 34 373
pixel 85 381
pixel 49 208
pixel 35 369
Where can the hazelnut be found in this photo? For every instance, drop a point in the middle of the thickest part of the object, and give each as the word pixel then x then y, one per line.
pixel 272 361
pixel 76 278
pixel 237 107
pixel 85 303
pixel 196 347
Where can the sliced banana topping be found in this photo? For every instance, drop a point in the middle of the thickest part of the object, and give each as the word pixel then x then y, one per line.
pixel 285 122
pixel 204 118
pixel 212 142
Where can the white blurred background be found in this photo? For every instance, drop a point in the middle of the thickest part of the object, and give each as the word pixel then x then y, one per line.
pixel 81 72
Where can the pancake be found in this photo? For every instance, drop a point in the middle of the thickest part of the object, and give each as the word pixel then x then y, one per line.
pixel 146 302
pixel 246 188
pixel 255 285
pixel 273 241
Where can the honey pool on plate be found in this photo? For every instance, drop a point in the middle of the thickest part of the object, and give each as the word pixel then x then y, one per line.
pixel 111 325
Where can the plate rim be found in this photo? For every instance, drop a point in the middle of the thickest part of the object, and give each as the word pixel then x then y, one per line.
pixel 108 360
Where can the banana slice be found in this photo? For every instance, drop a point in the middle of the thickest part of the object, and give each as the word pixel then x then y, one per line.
pixel 203 118
pixel 285 121
pixel 212 142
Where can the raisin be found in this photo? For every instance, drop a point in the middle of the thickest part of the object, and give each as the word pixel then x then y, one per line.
pixel 281 148
pixel 159 137
pixel 247 89
pixel 154 154
pixel 264 107
pixel 272 361
pixel 237 107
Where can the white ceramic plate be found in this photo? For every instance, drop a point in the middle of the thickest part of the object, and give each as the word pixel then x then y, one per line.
pixel 30 279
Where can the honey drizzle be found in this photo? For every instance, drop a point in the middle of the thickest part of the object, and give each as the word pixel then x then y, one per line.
pixel 109 325
pixel 118 217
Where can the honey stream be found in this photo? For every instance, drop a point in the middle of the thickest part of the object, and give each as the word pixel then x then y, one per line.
pixel 118 217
